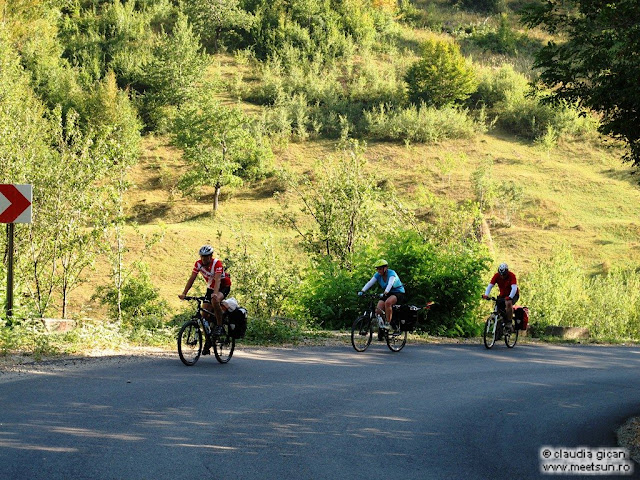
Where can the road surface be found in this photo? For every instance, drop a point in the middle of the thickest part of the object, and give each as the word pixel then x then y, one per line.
pixel 428 412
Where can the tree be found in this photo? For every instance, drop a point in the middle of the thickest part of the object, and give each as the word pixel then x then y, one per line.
pixel 220 144
pixel 598 66
pixel 441 77
pixel 212 19
pixel 337 210
pixel 177 70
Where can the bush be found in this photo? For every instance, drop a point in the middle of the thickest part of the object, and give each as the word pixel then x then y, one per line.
pixel 501 86
pixel 450 276
pixel 441 77
pixel 420 124
pixel 503 40
pixel 608 305
pixel 484 6
pixel 506 95
pixel 262 282
pixel 272 331
pixel 140 302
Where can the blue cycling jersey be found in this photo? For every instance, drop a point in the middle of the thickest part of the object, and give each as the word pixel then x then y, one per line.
pixel 397 284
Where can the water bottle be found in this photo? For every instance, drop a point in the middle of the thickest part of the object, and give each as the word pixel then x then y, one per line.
pixel 380 321
pixel 206 326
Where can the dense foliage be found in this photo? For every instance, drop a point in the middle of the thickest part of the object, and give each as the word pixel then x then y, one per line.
pixel 82 81
pixel 451 276
pixel 598 65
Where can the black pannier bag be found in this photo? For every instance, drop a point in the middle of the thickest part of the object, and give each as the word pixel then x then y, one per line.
pixel 237 322
pixel 408 315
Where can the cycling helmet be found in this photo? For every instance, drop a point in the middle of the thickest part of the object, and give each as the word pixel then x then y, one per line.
pixel 380 263
pixel 206 250
pixel 503 268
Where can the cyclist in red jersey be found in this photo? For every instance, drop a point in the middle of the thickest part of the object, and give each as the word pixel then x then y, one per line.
pixel 218 286
pixel 509 291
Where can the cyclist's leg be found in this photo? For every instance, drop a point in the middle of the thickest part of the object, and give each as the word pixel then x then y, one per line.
pixel 508 307
pixel 380 308
pixel 207 305
pixel 390 301
pixel 216 300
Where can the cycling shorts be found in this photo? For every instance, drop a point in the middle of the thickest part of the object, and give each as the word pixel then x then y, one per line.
pixel 399 296
pixel 223 290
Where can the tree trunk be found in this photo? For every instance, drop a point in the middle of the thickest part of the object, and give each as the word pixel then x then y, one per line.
pixel 216 197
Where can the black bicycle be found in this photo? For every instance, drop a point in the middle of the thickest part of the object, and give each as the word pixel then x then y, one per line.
pixel 496 326
pixel 193 330
pixel 404 320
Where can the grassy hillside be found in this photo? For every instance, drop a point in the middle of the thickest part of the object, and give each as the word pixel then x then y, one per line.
pixel 577 195
pixel 393 74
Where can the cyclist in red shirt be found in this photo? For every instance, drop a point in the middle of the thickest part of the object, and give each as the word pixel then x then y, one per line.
pixel 509 291
pixel 218 287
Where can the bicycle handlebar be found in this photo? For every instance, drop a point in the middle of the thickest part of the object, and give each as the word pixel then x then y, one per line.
pixel 199 299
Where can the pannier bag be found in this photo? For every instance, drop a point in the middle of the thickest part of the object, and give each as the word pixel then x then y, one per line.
pixel 408 315
pixel 521 315
pixel 237 322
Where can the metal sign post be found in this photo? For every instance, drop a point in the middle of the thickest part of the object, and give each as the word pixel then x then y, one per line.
pixel 10 230
pixel 15 207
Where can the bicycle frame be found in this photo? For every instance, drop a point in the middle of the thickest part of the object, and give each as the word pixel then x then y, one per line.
pixel 494 328
pixel 223 345
pixel 364 325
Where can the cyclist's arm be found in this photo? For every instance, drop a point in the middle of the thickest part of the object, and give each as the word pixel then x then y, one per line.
pixel 215 284
pixel 514 289
pixel 488 290
pixel 189 284
pixel 390 283
pixel 369 284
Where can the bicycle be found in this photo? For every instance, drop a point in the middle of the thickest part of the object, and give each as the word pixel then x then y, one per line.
pixel 194 329
pixel 363 327
pixel 495 327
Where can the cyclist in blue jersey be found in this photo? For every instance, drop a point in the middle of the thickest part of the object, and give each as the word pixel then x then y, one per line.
pixel 391 286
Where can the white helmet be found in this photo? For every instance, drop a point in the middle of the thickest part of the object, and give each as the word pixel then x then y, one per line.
pixel 206 250
pixel 503 268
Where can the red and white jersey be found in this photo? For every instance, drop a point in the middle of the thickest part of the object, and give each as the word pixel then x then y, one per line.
pixel 209 272
pixel 508 286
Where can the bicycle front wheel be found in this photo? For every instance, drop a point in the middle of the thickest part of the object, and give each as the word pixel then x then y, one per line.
pixel 511 337
pixel 223 347
pixel 396 340
pixel 489 334
pixel 361 333
pixel 190 342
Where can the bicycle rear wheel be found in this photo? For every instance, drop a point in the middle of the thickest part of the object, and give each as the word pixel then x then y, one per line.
pixel 396 340
pixel 223 346
pixel 511 337
pixel 361 333
pixel 190 342
pixel 490 329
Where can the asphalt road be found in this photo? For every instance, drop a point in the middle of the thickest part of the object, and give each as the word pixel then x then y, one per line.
pixel 428 412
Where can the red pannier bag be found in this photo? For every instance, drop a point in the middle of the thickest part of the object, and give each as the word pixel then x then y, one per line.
pixel 521 314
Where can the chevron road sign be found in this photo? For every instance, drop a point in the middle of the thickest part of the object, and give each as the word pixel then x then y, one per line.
pixel 15 203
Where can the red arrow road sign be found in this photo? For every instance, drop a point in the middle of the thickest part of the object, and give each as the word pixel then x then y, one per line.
pixel 15 203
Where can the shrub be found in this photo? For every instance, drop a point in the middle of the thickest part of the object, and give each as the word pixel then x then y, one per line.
pixel 504 40
pixel 577 299
pixel 449 275
pixel 420 124
pixel 441 77
pixel 262 282
pixel 501 86
pixel 519 110
pixel 484 6
pixel 140 302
